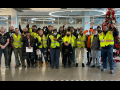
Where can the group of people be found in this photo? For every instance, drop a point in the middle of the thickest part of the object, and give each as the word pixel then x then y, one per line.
pixel 69 42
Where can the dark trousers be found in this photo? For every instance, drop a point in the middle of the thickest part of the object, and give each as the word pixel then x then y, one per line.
pixel 30 60
pixel 107 53
pixel 44 51
pixel 55 54
pixel 65 59
pixel 89 52
pixel 10 49
pixel 5 51
pixel 48 56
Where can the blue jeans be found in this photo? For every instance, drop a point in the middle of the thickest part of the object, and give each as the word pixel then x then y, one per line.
pixel 107 53
pixel 5 51
pixel 44 51
pixel 55 54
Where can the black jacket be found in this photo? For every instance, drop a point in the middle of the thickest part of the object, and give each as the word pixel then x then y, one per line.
pixel 25 44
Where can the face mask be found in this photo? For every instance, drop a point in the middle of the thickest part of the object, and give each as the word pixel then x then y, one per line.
pixel 54 33
pixel 68 35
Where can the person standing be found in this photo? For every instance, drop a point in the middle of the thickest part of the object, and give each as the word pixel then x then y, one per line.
pixel 67 43
pixel 106 44
pixel 28 41
pixel 80 44
pixel 4 41
pixel 95 49
pixel 53 47
pixel 42 46
pixel 17 45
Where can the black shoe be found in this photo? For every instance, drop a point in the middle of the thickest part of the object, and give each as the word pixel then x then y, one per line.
pixel 7 67
pixel 111 72
pixel 33 66
pixel 70 66
pixel 93 66
pixel 83 65
pixel 76 64
pixel 17 66
pixel 64 66
pixel 99 67
pixel 87 63
pixel 23 66
pixel 52 67
pixel 57 67
pixel 28 66
pixel 103 69
pixel 90 63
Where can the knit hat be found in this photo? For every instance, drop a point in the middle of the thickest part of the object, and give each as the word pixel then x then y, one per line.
pixel 91 30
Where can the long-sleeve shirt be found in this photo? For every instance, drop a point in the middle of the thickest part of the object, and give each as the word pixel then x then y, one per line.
pixel 21 29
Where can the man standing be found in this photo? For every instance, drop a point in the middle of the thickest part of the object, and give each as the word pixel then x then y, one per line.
pixel 80 44
pixel 106 43
pixel 95 49
pixel 17 45
pixel 4 41
pixel 53 47
pixel 67 43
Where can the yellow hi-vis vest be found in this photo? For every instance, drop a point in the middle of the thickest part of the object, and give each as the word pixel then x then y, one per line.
pixel 54 43
pixel 106 40
pixel 92 39
pixel 33 33
pixel 44 42
pixel 68 39
pixel 16 41
pixel 80 43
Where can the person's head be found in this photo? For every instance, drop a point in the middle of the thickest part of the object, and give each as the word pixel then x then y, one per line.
pixel 55 32
pixel 68 33
pixel 81 30
pixel 94 31
pixel 91 31
pixel 105 28
pixel 40 32
pixel 16 30
pixel 49 28
pixel 53 28
pixel 34 28
pixel 2 30
pixel 61 28
pixel 71 29
pixel 28 33
pixel 25 29
pixel 11 28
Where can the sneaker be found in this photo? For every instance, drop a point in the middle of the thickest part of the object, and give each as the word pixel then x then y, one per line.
pixel 7 67
pixel 83 65
pixel 111 71
pixel 103 69
pixel 87 63
pixel 17 66
pixel 93 66
pixel 76 64
pixel 52 67
pixel 57 67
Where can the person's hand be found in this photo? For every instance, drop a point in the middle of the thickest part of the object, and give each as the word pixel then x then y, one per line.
pixel 86 48
pixel 24 34
pixel 55 39
pixel 64 24
pixel 44 25
pixel 93 23
pixel 29 47
pixel 112 25
pixel 100 48
pixel 77 28
pixel 28 22
pixel 19 23
pixel 48 50
pixel 2 47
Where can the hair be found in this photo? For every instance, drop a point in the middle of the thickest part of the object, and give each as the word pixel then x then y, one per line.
pixel 95 29
pixel 34 26
pixel 105 25
pixel 81 27
pixel 40 30
pixel 16 28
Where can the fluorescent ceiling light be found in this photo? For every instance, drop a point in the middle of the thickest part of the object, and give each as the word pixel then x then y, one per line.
pixel 43 19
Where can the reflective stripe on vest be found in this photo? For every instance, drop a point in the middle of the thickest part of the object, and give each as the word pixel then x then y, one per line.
pixel 54 43
pixel 81 41
pixel 16 41
pixel 44 44
pixel 106 40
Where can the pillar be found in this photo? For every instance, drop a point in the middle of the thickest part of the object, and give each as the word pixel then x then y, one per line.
pixel 14 18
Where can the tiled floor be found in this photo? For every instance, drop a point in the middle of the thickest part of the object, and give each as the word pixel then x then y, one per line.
pixel 61 74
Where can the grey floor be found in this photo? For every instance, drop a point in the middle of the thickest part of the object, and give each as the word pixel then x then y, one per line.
pixel 62 74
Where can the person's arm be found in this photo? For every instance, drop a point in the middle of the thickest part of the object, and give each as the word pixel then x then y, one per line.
pixel 11 41
pixel 20 28
pixel 91 27
pixel 23 39
pixel 33 41
pixel 38 43
pixel 115 32
pixel 49 42
pixel 7 42
pixel 86 42
pixel 59 39
pixel 28 25
pixel 64 26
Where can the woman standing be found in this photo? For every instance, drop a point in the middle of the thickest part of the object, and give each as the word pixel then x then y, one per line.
pixel 28 41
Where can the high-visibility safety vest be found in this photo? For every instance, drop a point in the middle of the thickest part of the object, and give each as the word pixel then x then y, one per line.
pixel 53 42
pixel 43 42
pixel 68 39
pixel 74 38
pixel 33 33
pixel 107 39
pixel 17 41
pixel 80 43
pixel 91 39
